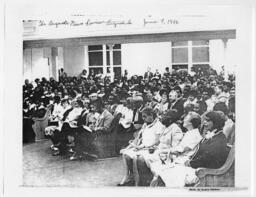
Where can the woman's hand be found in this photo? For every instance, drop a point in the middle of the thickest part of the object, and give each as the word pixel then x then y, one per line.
pixel 137 148
pixel 187 163
pixel 92 127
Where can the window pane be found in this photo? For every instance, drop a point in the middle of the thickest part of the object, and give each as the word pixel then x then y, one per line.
pixel 95 70
pixel 116 58
pixel 95 58
pixel 179 67
pixel 180 55
pixel 202 68
pixel 200 42
pixel 116 46
pixel 94 47
pixel 181 43
pixel 200 54
pixel 117 71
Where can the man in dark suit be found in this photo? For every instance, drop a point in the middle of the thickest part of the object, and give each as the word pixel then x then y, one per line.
pixel 176 101
pixel 148 74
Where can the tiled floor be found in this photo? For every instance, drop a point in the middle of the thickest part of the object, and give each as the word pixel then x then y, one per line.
pixel 40 168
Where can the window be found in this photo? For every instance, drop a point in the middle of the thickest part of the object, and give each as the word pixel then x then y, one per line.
pixel 95 54
pixel 96 59
pixel 190 54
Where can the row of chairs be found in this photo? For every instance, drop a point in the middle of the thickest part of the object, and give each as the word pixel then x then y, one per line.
pixel 105 143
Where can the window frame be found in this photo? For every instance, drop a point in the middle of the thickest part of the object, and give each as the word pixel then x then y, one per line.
pixel 104 65
pixel 190 47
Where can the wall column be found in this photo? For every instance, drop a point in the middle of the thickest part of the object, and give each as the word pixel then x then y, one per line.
pixel 104 59
pixel 190 57
pixel 225 43
pixel 54 68
pixel 111 61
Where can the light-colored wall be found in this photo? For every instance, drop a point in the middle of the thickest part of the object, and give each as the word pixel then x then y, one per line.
pixel 74 60
pixel 217 55
pixel 35 65
pixel 60 58
pixel 27 64
pixel 137 57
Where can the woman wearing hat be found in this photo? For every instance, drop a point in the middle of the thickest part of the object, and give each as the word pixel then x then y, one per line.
pixel 212 153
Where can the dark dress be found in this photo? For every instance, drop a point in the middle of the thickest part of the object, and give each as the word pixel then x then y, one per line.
pixel 28 131
pixel 212 153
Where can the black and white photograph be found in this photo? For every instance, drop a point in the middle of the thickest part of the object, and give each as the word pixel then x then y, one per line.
pixel 144 96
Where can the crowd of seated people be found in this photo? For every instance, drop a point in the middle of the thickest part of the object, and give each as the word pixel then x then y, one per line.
pixel 167 125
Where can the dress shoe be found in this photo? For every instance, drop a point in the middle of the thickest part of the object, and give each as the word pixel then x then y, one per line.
pixel 55 153
pixel 75 157
pixel 128 183
pixel 71 150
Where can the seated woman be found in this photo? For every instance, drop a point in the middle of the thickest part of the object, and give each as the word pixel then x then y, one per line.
pixel 188 145
pixel 162 106
pixel 147 137
pixel 169 138
pixel 212 153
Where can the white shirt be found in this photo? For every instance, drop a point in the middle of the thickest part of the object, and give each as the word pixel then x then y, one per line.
pixel 74 114
pixel 127 115
pixel 151 133
pixel 191 139
pixel 162 107
pixel 187 102
pixel 228 127
pixel 58 110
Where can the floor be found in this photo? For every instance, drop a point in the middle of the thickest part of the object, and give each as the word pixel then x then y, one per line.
pixel 41 169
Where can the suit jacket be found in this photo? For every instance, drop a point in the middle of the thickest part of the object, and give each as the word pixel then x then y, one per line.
pixel 212 153
pixel 137 113
pixel 103 122
pixel 65 115
pixel 82 119
pixel 179 106
pixel 148 75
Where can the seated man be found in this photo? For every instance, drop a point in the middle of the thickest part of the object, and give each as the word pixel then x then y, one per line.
pixel 125 128
pixel 137 106
pixel 87 132
pixel 84 136
pixel 68 127
pixel 104 120
pixel 147 137
pixel 192 98
pixel 59 117
pixel 212 153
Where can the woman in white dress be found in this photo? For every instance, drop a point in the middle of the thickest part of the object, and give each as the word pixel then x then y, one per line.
pixel 147 137
pixel 170 137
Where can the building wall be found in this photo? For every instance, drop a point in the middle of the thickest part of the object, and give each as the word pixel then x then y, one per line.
pixel 27 64
pixel 136 58
pixel 74 60
pixel 35 63
pixel 218 58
